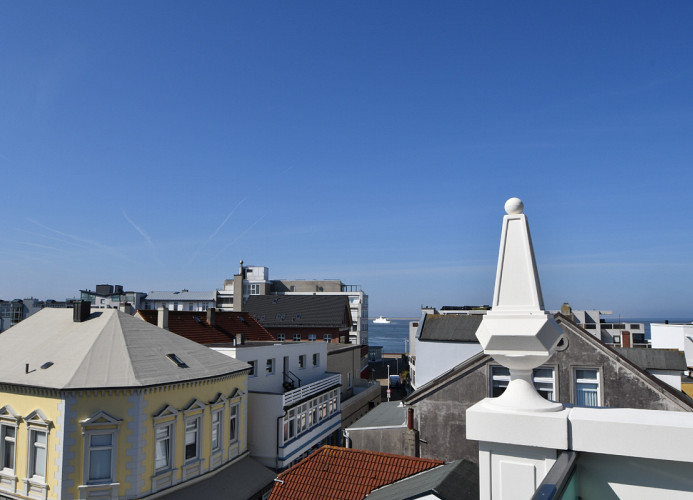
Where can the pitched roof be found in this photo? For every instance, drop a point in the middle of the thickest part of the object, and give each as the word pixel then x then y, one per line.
pixel 300 310
pixel 241 480
pixel 566 325
pixel 333 473
pixel 194 326
pixel 109 349
pixel 455 480
pixel 654 359
pixel 386 414
pixel 450 327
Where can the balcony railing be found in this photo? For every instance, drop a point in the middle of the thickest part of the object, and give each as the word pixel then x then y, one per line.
pixel 306 391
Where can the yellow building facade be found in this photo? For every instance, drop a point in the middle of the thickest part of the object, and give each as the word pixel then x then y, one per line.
pixel 131 441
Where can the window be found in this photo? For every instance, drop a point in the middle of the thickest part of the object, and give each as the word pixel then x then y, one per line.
pixel 253 371
pixel 100 457
pixel 544 382
pixel 233 424
pixel 312 337
pixel 8 441
pixel 254 289
pixel 269 368
pixel 327 337
pixel 281 337
pixel 316 359
pixel 192 438
pixel 163 447
pixel 216 430
pixel 37 453
pixel 543 378
pixel 302 361
pixel 587 387
pixel 297 337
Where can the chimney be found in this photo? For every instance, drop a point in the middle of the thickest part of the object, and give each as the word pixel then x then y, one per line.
pixel 411 437
pixel 124 307
pixel 162 319
pixel 211 316
pixel 81 311
pixel 240 339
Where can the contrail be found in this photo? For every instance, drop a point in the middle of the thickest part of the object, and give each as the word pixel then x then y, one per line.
pixel 216 231
pixel 148 240
pixel 240 235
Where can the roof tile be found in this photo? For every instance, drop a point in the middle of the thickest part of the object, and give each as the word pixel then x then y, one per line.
pixel 333 473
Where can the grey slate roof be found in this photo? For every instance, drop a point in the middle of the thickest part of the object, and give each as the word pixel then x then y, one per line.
pixel 110 349
pixel 654 359
pixel 240 481
pixel 454 480
pixel 300 310
pixel 181 296
pixel 388 414
pixel 450 327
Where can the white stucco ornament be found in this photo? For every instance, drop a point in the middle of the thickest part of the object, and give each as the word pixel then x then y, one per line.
pixel 517 332
pixel 514 206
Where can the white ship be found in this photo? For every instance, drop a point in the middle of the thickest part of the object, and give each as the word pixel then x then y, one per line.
pixel 382 321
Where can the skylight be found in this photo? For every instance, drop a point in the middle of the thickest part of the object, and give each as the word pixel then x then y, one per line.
pixel 177 360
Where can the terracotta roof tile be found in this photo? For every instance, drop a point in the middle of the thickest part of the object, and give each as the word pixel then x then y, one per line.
pixel 333 473
pixel 193 326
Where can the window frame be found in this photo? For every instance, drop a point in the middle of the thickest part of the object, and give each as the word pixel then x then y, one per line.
pixel 302 361
pixel 100 424
pixel 576 382
pixel 9 419
pixel 37 423
pixel 502 380
pixel 270 366
pixel 234 428
pixel 253 368
pixel 297 337
pixel 195 420
pixel 316 359
pixel 219 426
pixel 170 438
pixel 312 337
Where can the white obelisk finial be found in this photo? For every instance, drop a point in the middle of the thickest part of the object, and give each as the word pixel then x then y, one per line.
pixel 517 332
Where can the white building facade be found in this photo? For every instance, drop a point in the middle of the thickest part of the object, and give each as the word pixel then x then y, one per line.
pixel 293 403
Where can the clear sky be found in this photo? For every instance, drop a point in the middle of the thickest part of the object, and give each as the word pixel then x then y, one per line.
pixel 155 144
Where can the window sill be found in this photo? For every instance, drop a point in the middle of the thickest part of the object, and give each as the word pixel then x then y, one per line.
pixel 163 472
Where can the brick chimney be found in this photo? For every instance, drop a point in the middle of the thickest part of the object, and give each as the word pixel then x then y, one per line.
pixel 162 319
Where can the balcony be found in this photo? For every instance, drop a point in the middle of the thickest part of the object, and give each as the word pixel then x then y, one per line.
pixel 308 390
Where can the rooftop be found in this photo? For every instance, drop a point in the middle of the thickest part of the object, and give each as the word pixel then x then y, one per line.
pixel 333 473
pixel 109 349
pixel 300 310
pixel 227 324
pixel 450 327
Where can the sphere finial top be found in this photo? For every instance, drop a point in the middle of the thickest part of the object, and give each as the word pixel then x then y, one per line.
pixel 514 206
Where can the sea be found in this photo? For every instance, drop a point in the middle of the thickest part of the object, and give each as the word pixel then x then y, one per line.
pixel 391 336
pixel 394 337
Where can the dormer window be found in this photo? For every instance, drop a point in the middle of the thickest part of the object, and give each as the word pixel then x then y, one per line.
pixel 177 360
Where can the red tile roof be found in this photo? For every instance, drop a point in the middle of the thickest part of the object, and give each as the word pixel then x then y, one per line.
pixel 333 473
pixel 193 326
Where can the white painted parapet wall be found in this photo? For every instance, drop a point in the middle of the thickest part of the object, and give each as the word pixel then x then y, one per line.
pixel 623 453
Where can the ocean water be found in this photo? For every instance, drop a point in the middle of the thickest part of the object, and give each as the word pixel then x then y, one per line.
pixel 392 337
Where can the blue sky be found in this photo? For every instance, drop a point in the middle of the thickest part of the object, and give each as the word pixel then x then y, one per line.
pixel 155 144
